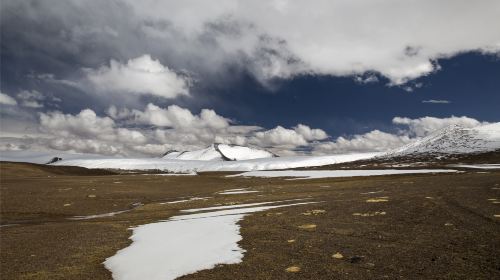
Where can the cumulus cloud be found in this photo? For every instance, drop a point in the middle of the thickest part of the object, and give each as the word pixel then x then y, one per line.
pixel 310 134
pixel 373 141
pixel 132 132
pixel 156 130
pixel 279 136
pixel 172 116
pixel 141 75
pixel 88 133
pixel 85 124
pixel 7 100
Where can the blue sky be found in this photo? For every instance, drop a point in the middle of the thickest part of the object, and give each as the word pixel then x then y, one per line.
pixel 470 82
pixel 139 78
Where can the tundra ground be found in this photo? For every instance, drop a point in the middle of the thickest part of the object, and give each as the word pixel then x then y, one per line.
pixel 427 226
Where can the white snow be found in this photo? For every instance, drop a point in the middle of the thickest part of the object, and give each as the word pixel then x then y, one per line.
pixel 204 154
pixel 42 157
pixel 239 205
pixel 104 215
pixel 477 166
pixel 453 140
pixel 173 174
pixel 313 174
pixel 235 190
pixel 110 214
pixel 220 152
pixel 186 200
pixel 238 192
pixel 189 166
pixel 182 245
pixel 243 153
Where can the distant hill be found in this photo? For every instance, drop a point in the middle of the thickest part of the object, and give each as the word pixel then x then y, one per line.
pixel 453 140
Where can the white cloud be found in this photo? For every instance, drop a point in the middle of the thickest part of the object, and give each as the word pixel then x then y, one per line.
pixel 425 125
pixel 366 79
pixel 400 40
pixel 31 99
pixel 343 37
pixel 86 124
pixel 124 132
pixel 88 133
pixel 84 146
pixel 173 116
pixel 279 136
pixel 141 75
pixel 373 141
pixel 433 101
pixel 310 134
pixel 7 100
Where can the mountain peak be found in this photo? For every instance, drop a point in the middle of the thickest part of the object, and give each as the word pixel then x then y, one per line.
pixel 220 152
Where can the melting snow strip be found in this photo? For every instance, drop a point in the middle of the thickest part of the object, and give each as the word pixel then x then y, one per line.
pixel 8 225
pixel 173 174
pixel 183 245
pixel 110 214
pixel 372 192
pixel 105 215
pixel 477 166
pixel 185 200
pixel 239 205
pixel 236 192
pixel 313 174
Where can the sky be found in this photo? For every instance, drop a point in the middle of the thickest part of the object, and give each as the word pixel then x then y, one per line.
pixel 139 78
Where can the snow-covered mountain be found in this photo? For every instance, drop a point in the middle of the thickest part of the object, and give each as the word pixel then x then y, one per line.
pixel 451 141
pixel 220 152
pixel 189 166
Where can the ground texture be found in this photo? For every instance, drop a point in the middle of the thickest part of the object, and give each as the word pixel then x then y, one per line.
pixel 427 226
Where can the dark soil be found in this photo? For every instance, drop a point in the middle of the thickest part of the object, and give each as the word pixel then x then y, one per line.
pixel 440 226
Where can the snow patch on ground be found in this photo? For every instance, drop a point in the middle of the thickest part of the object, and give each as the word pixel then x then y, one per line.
pixel 476 166
pixel 183 245
pixel 45 156
pixel 237 191
pixel 110 214
pixel 313 174
pixel 105 215
pixel 234 152
pixel 238 205
pixel 186 200
pixel 173 174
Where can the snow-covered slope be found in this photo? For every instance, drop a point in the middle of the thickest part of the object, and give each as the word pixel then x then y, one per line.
pixel 233 152
pixel 187 166
pixel 220 152
pixel 43 157
pixel 208 153
pixel 453 140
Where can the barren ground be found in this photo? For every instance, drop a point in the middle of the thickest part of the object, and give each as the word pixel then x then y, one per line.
pixel 440 226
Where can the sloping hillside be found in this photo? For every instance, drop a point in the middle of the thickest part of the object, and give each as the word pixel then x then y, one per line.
pixel 451 141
